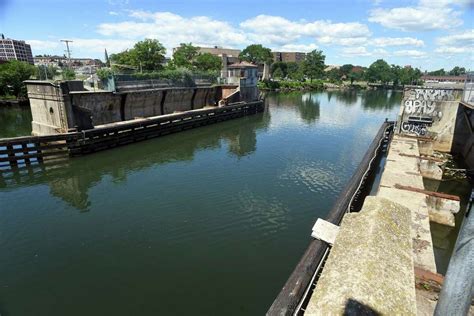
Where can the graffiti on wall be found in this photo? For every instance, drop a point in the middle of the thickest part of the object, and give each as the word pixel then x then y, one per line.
pixel 421 110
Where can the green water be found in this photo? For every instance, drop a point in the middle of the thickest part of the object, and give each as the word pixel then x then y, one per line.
pixel 210 221
pixel 15 121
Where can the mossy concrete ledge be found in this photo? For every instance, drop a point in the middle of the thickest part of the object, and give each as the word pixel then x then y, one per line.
pixel 370 267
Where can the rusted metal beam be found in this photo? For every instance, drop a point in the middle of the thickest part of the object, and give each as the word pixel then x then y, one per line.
pixel 431 193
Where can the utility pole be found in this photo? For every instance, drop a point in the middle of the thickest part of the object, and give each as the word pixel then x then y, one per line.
pixel 68 51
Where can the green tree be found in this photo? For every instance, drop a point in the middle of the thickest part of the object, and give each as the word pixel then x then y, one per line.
pixel 396 73
pixel 278 73
pixel 457 71
pixel 346 69
pixel 149 54
pixel 313 65
pixel 68 74
pixel 257 54
pixel 355 75
pixel 43 72
pixel 208 62
pixel 280 68
pixel 408 75
pixel 294 70
pixel 379 71
pixel 12 75
pixel 185 55
pixel 439 72
pixel 334 75
pixel 104 73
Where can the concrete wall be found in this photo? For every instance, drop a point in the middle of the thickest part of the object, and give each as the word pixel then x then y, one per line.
pixel 104 106
pixel 431 113
pixel 47 108
pixel 58 108
pixel 177 100
pixel 463 143
pixel 204 97
pixel 143 104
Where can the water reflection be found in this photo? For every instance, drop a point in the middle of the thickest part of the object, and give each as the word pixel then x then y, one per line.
pixel 72 180
pixel 380 99
pixel 307 104
pixel 15 121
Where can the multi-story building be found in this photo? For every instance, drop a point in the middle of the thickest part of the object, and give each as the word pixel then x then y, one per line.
pixel 11 49
pixel 288 56
pixel 219 51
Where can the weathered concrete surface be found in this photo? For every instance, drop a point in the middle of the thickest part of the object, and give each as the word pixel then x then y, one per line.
pixel 431 113
pixel 370 267
pixel 431 169
pixel 442 211
pixel 104 106
pixel 423 255
pixel 404 170
pixel 143 104
pixel 325 231
pixel 58 108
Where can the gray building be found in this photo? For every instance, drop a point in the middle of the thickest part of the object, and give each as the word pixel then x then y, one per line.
pixel 11 49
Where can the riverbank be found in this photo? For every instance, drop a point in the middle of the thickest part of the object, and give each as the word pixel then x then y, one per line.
pixel 320 85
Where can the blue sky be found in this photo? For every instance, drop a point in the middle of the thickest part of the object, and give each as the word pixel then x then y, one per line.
pixel 429 34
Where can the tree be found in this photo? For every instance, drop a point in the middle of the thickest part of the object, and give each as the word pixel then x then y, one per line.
pixel 379 71
pixel 279 69
pixel 184 55
pixel 257 54
pixel 396 73
pixel 43 72
pixel 208 62
pixel 294 70
pixel 147 55
pixel 439 72
pixel 346 69
pixel 104 73
pixel 313 65
pixel 334 75
pixel 68 74
pixel 12 75
pixel 355 76
pixel 457 71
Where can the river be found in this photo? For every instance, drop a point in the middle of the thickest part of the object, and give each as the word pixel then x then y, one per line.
pixel 208 221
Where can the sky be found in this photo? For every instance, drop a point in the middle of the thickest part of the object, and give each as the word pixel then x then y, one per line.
pixel 428 34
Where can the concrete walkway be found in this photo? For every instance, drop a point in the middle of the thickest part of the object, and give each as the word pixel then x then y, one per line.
pixel 404 170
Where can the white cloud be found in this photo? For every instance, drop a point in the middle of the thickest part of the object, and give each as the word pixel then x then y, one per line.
pixel 172 29
pixel 459 43
pixel 305 48
pixel 465 38
pixel 355 51
pixel 113 13
pixel 412 53
pixel 278 30
pixel 427 15
pixel 37 45
pixel 396 41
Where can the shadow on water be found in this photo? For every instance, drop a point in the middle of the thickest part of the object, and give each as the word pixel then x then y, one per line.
pixel 72 180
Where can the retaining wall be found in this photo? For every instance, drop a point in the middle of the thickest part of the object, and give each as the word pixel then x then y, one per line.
pixel 430 112
pixel 58 108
